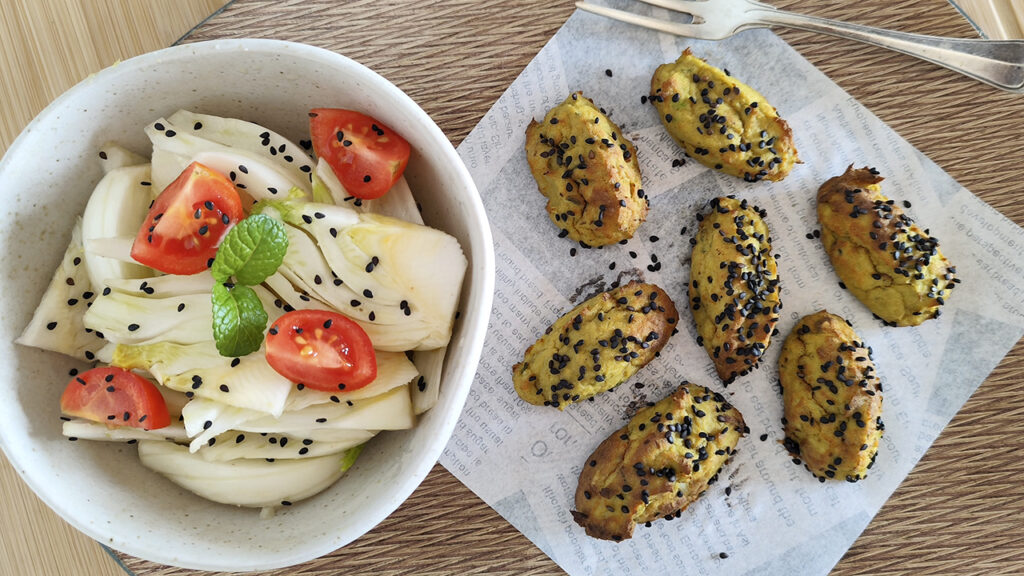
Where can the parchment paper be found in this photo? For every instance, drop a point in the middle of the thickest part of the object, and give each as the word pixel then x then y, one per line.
pixel 524 460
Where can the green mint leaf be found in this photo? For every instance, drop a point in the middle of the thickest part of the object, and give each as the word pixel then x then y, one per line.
pixel 251 251
pixel 238 320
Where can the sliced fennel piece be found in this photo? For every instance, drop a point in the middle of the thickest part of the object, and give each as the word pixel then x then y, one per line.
pixel 305 268
pixel 389 411
pixel 270 146
pixel 397 203
pixel 205 419
pixel 416 264
pixel 129 319
pixel 425 390
pixel 244 382
pixel 115 248
pixel 146 318
pixel 166 286
pixel 117 207
pixel 393 369
pixel 175 401
pixel 288 294
pixel 114 156
pixel 80 429
pixel 328 435
pixel 165 167
pixel 233 444
pixel 304 264
pixel 106 354
pixel 255 483
pixel 413 272
pixel 324 176
pixel 260 178
pixel 57 324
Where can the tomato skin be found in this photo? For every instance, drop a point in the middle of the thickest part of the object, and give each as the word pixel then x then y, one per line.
pixel 366 156
pixel 321 349
pixel 115 397
pixel 172 239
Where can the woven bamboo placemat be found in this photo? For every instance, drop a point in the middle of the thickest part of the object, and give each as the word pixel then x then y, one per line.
pixel 957 512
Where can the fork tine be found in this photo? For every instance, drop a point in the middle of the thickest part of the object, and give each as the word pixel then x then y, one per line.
pixel 691 7
pixel 691 30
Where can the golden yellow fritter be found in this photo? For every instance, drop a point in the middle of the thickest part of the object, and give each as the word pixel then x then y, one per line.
pixel 588 171
pixel 734 286
pixel 721 122
pixel 832 398
pixel 595 347
pixel 663 459
pixel 886 260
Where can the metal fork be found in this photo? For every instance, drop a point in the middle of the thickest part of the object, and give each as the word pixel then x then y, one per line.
pixel 999 63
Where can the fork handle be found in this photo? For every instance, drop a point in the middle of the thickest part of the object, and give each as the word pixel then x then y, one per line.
pixel 999 63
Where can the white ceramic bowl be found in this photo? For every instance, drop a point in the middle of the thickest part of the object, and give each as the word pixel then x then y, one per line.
pixel 46 177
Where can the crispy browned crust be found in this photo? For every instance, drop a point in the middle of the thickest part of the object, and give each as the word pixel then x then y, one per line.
pixel 721 122
pixel 596 346
pixel 588 171
pixel 658 463
pixel 886 260
pixel 832 398
pixel 734 286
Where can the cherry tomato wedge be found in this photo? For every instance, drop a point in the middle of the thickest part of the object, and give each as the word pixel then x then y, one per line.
pixel 187 221
pixel 322 350
pixel 366 156
pixel 116 397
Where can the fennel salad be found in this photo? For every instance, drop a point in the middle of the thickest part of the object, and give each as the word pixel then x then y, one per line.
pixel 255 313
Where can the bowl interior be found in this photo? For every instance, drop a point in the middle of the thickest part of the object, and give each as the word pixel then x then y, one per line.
pixel 47 176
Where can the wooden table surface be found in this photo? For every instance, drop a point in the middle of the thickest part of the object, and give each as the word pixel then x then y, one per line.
pixel 943 520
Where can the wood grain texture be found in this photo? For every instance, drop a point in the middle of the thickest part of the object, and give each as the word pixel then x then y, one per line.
pixel 998 19
pixel 956 512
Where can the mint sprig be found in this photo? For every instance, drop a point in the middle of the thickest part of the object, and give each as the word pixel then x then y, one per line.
pixel 250 252
pixel 238 319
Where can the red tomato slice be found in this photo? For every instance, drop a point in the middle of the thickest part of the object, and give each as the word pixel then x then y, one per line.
pixel 367 156
pixel 116 397
pixel 321 349
pixel 187 221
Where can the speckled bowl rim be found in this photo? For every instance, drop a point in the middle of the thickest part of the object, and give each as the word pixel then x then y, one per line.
pixel 475 306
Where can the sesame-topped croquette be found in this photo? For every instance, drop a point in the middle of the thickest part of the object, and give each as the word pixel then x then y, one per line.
pixel 721 122
pixel 879 253
pixel 596 346
pixel 734 286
